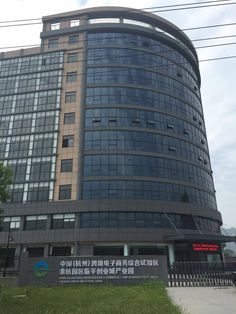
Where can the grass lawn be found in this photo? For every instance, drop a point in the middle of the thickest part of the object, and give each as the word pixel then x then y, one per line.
pixel 133 299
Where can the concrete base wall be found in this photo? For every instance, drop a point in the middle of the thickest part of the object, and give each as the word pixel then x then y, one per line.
pixel 10 281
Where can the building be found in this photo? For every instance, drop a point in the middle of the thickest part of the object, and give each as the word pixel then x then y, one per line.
pixel 104 129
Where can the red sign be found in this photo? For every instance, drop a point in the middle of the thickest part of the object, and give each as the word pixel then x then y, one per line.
pixel 205 247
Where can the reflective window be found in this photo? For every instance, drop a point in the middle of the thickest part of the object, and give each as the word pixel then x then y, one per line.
pixel 146 142
pixel 137 189
pixel 63 221
pixel 72 57
pixel 38 222
pixel 40 171
pixel 35 251
pixel 132 40
pixel 74 23
pixel 147 166
pixel 53 43
pixel 19 172
pixel 108 117
pixel 55 26
pixel 71 77
pixel 142 58
pixel 38 193
pixel 73 39
pixel 144 220
pixel 147 78
pixel 11 223
pixel 61 251
pixel 115 95
pixel 66 165
pixel 69 118
pixel 65 192
pixel 70 97
pixel 68 141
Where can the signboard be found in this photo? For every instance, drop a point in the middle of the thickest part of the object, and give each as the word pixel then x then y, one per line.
pixel 205 247
pixel 94 269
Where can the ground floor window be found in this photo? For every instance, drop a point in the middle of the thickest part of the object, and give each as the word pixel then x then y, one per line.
pixel 35 251
pixel 61 251
pixel 147 250
pixel 108 250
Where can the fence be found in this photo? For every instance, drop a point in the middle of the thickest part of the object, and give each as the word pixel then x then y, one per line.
pixel 181 274
pixel 9 266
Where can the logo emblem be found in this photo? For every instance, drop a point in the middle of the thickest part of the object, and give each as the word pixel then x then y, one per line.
pixel 40 269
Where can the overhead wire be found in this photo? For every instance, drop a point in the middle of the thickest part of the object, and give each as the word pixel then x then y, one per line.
pixel 184 6
pixel 141 52
pixel 184 29
pixel 199 47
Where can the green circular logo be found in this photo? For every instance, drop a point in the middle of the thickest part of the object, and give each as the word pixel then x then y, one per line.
pixel 40 269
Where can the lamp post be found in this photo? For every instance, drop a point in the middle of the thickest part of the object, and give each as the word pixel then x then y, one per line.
pixel 9 238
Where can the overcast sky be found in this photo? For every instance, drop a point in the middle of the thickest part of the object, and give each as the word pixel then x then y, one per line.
pixel 218 77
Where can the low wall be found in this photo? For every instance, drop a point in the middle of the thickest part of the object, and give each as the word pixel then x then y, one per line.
pixel 91 270
pixel 9 281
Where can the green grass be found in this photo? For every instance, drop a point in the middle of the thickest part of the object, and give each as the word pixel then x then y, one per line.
pixel 145 298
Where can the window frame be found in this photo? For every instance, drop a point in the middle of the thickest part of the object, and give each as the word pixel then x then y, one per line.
pixel 53 43
pixel 70 97
pixel 69 118
pixel 67 165
pixel 69 138
pixel 72 57
pixel 71 77
pixel 73 39
pixel 65 191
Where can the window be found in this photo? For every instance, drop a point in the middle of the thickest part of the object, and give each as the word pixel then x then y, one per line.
pixel 108 250
pixel 55 26
pixel 16 194
pixel 69 118
pixel 63 221
pixel 71 77
pixel 38 222
pixel 73 39
pixel 11 223
pixel 74 23
pixel 72 57
pixel 53 43
pixel 70 97
pixel 38 193
pixel 40 171
pixel 19 172
pixel 35 251
pixel 66 165
pixel 61 251
pixel 68 141
pixel 65 192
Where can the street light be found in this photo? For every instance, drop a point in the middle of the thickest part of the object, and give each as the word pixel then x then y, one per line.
pixel 9 239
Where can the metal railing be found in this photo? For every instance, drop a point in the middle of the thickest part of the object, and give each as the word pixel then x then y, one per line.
pixel 9 265
pixel 181 274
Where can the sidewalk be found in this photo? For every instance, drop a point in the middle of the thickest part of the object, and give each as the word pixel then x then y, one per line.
pixel 204 300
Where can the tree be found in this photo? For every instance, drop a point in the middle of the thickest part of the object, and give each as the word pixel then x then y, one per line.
pixel 5 181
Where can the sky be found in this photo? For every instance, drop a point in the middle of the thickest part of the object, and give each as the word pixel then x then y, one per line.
pixel 218 77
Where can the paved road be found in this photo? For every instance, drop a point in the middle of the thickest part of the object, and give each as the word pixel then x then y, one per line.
pixel 204 300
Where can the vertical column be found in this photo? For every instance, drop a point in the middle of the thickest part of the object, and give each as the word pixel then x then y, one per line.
pixel 76 249
pixel 171 253
pixel 126 250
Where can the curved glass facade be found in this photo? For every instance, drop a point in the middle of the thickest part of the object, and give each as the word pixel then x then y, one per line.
pixel 144 123
pixel 129 219
pixel 137 165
